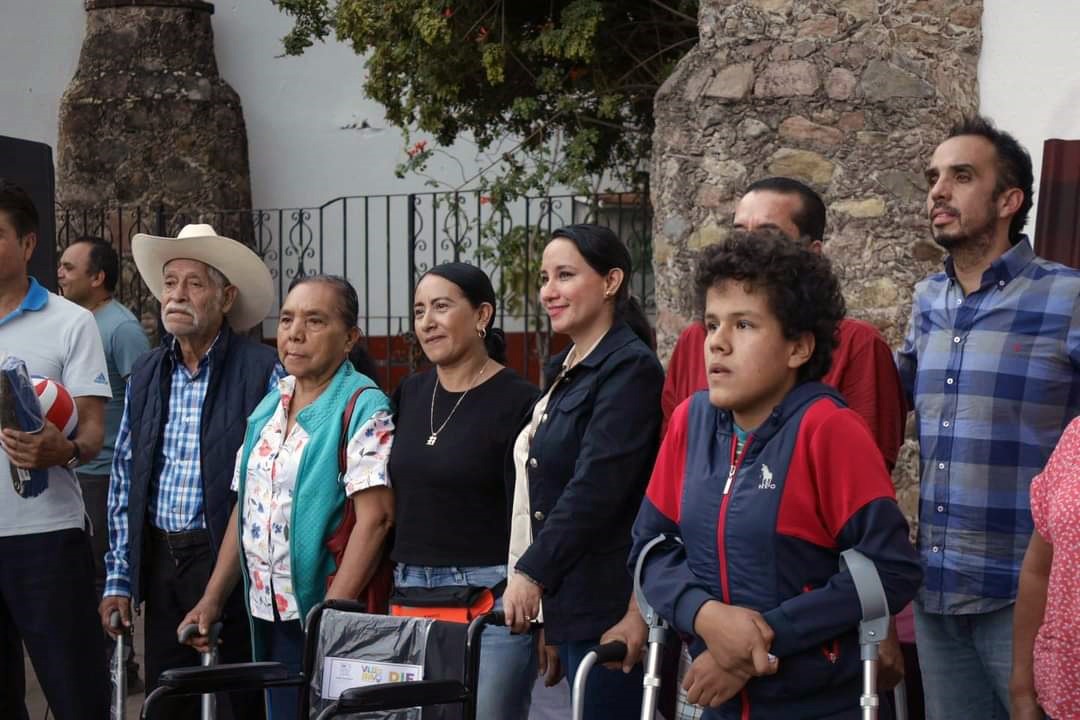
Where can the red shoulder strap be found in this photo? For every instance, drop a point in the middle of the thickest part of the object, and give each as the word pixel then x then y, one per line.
pixel 346 420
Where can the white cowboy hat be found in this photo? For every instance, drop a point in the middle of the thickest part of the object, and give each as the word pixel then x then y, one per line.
pixel 237 262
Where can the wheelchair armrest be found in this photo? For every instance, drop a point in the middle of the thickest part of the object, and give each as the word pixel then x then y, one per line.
pixel 226 678
pixel 392 696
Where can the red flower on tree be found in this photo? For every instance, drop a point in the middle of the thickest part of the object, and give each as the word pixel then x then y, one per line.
pixel 417 148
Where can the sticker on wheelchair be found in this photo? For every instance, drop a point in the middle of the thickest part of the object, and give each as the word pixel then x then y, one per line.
pixel 340 674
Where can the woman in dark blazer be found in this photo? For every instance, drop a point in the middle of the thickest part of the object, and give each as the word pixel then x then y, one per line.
pixel 585 460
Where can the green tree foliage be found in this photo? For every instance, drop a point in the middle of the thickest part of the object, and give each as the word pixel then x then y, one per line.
pixel 571 82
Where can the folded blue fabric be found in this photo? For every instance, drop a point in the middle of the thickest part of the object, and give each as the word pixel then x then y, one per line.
pixel 20 410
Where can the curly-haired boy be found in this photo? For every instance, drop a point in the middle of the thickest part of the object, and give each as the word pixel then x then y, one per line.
pixel 767 477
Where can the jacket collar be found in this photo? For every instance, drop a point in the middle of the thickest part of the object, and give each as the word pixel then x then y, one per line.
pixel 330 403
pixel 793 403
pixel 620 335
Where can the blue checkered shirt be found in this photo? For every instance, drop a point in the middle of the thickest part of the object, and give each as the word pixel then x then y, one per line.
pixel 176 497
pixel 995 378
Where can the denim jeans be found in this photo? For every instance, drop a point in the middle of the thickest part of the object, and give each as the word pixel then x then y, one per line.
pixel 965 661
pixel 47 601
pixel 507 661
pixel 285 644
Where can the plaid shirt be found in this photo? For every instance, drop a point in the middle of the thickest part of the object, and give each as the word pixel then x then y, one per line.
pixel 683 709
pixel 995 380
pixel 177 503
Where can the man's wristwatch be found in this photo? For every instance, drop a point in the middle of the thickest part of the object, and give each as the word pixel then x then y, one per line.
pixel 74 461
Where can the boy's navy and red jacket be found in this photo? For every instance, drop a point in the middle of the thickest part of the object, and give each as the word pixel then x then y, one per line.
pixel 808 484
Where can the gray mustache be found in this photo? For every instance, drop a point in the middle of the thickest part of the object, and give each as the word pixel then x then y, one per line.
pixel 186 309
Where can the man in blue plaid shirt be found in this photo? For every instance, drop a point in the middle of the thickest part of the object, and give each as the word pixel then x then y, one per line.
pixel 184 419
pixel 991 363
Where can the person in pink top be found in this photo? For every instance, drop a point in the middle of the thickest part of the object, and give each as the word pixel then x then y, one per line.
pixel 1046 637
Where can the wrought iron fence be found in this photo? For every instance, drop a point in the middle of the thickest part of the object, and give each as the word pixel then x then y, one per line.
pixel 383 244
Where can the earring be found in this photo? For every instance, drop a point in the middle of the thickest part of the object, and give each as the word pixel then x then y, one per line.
pixel 482 332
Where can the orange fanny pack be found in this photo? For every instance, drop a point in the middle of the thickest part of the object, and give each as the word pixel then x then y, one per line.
pixel 454 603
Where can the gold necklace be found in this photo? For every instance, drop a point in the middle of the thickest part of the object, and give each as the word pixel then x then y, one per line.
pixel 434 436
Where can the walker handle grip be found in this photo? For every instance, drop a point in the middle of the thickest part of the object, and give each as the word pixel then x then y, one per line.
pixel 192 630
pixel 613 651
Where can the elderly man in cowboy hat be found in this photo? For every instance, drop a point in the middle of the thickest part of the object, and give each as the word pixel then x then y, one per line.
pixel 184 418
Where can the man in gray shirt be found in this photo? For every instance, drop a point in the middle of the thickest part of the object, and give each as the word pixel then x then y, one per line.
pixel 88 272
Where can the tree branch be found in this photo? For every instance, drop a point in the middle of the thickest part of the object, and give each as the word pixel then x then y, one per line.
pixel 656 55
pixel 674 12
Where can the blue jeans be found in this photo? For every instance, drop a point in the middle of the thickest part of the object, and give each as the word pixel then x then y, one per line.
pixel 965 662
pixel 507 661
pixel 608 693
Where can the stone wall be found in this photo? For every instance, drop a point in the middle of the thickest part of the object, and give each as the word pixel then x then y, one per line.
pixel 147 119
pixel 850 96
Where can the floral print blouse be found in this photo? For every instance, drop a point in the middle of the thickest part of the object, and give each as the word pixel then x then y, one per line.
pixel 1055 508
pixel 271 479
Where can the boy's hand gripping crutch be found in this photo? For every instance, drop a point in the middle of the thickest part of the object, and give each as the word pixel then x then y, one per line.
pixel 872 630
pixel 614 651
pixel 119 668
pixel 209 659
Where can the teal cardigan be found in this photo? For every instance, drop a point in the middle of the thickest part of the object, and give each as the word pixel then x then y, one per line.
pixel 318 498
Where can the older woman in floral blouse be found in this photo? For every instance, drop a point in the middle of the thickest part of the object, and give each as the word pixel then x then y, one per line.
pixel 290 497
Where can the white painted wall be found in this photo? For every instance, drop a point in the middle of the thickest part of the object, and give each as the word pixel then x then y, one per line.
pixel 1028 72
pixel 296 108
pixel 39 50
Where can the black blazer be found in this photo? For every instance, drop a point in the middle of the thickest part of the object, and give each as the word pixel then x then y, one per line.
pixel 589 463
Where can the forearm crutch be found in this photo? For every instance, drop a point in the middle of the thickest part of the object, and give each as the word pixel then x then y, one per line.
pixel 658 634
pixel 874 626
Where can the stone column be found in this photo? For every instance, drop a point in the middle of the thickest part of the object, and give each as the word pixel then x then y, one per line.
pixel 850 96
pixel 147 119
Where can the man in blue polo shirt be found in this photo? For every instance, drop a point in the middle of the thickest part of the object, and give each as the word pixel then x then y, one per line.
pixel 992 361
pixel 47 594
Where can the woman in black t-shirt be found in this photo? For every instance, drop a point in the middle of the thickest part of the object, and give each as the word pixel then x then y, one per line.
pixel 452 470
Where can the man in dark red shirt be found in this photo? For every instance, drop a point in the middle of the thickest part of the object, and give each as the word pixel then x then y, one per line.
pixel 862 365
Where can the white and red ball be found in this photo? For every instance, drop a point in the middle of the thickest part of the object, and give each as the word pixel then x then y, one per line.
pixel 57 405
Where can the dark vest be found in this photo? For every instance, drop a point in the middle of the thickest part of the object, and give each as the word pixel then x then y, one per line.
pixel 240 370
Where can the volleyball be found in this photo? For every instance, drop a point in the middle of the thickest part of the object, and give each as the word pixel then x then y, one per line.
pixel 57 405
